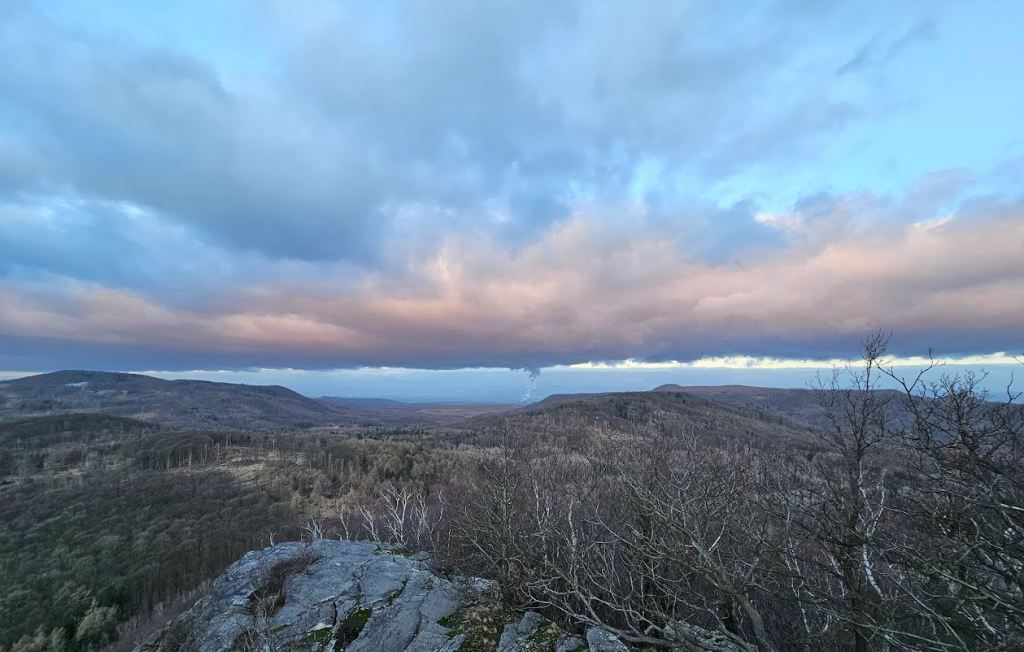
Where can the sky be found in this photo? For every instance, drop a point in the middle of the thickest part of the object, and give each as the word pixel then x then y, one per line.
pixel 486 200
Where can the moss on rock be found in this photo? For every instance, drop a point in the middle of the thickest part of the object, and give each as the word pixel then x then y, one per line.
pixel 481 624
pixel 352 626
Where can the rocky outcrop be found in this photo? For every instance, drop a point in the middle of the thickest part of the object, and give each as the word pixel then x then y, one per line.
pixel 357 597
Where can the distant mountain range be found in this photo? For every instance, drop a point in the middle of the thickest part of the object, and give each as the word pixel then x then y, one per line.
pixel 801 405
pixel 209 405
pixel 179 403
pixel 217 406
pixel 382 411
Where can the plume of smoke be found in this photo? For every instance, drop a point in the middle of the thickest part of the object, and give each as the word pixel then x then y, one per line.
pixel 531 382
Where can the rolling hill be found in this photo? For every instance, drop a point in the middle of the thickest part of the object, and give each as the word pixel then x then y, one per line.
pixel 573 419
pixel 176 403
pixel 800 405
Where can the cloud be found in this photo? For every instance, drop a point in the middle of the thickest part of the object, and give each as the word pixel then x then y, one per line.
pixel 509 184
pixel 766 363
pixel 578 295
pixel 879 51
pixel 376 131
pixel 781 221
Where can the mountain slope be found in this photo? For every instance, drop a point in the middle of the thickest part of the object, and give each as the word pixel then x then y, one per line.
pixel 801 405
pixel 572 419
pixel 182 403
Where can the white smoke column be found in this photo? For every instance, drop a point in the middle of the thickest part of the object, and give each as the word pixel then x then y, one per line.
pixel 531 383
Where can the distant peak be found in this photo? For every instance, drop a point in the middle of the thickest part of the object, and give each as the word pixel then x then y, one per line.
pixel 77 377
pixel 669 387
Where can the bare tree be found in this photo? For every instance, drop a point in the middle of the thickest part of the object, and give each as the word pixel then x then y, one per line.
pixel 836 502
pixel 369 522
pixel 652 538
pixel 343 516
pixel 491 518
pixel 678 560
pixel 965 502
pixel 314 528
pixel 398 507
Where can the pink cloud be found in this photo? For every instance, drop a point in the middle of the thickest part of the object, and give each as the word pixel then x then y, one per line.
pixel 576 294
